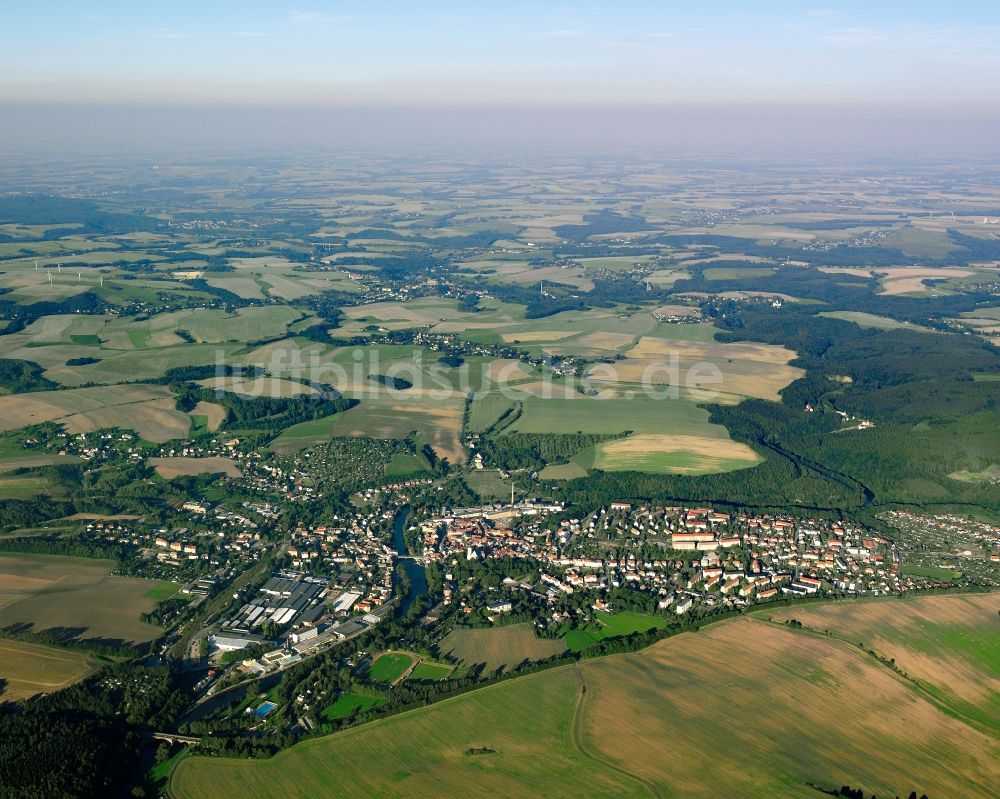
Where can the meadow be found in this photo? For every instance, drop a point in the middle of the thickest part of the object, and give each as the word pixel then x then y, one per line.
pixel 74 598
pixel 498 646
pixel 608 625
pixel 790 711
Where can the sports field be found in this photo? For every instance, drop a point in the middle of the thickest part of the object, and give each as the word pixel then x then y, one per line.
pixel 29 669
pixel 74 598
pixel 653 723
pixel 427 671
pixel 498 646
pixel 390 667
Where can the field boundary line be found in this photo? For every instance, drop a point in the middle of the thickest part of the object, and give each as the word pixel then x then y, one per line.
pixel 577 737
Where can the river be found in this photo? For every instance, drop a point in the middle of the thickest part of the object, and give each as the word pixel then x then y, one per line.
pixel 414 571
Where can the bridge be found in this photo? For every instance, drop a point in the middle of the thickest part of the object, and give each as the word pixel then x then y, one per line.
pixel 174 738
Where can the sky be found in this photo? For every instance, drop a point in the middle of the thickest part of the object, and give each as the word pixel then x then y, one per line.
pixel 916 59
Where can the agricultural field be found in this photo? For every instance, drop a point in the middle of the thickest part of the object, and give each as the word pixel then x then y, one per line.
pixel 908 280
pixel 673 455
pixel 863 319
pixel 148 410
pixel 598 728
pixel 304 435
pixel 30 669
pixel 732 371
pixel 486 409
pixel 74 598
pixel 949 644
pixel 169 468
pixel 667 435
pixel 395 417
pixel 26 486
pixel 498 646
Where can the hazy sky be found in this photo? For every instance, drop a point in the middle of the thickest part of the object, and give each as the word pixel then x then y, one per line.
pixel 406 53
pixel 765 77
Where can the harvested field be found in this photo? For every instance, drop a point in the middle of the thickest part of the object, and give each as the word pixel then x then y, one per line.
pixel 752 698
pixel 73 598
pixel 169 468
pixel 903 279
pixel 149 410
pixel 498 646
pixel 740 369
pixel 951 644
pixel 506 370
pixel 674 454
pixel 30 669
pixel 214 414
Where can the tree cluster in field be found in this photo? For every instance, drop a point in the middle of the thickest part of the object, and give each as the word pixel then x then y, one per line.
pixel 17 377
pixel 271 414
pixel 534 450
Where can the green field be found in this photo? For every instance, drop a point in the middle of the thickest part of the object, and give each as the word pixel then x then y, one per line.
pixel 347 704
pixel 426 671
pixel 486 409
pixel 606 625
pixel 766 710
pixel 305 434
pixel 869 320
pixel 25 487
pixel 162 591
pixel 640 415
pixel 390 667
pixel 404 463
pixel 488 483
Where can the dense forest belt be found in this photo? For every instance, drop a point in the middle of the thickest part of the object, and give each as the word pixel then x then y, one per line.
pixel 842 479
